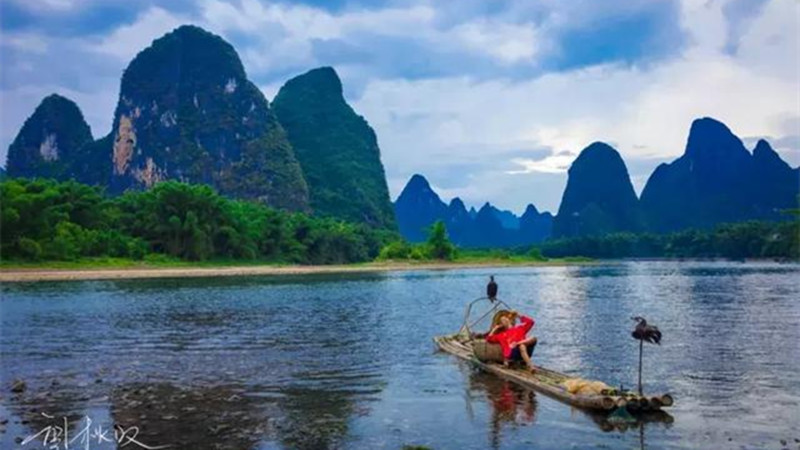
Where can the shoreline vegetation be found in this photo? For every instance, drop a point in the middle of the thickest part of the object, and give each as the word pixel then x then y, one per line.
pixel 67 230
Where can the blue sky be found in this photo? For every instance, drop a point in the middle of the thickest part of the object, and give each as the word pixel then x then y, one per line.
pixel 491 100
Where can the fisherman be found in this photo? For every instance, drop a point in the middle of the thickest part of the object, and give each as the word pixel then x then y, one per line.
pixel 513 339
pixel 491 289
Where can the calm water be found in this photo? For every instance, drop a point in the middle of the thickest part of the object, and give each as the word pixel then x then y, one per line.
pixel 348 361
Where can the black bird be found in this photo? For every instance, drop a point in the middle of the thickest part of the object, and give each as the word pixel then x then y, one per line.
pixel 491 289
pixel 644 332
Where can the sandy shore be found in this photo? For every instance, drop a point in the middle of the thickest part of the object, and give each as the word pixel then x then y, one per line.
pixel 38 274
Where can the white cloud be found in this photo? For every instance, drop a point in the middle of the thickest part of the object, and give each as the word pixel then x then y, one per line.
pixel 46 5
pixel 644 112
pixel 285 34
pixel 128 40
pixel 508 43
pixel 26 42
pixel 558 163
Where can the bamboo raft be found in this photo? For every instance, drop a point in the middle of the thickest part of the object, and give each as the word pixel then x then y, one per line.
pixel 550 382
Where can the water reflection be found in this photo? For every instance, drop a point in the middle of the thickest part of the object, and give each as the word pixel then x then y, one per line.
pixel 558 314
pixel 218 417
pixel 315 418
pixel 511 404
pixel 221 416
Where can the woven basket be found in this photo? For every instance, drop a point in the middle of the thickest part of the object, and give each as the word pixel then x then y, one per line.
pixel 486 351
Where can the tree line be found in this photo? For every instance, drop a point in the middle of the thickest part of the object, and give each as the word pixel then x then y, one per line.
pixel 777 240
pixel 48 220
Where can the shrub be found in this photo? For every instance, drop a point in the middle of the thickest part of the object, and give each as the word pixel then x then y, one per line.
pixel 395 250
pixel 536 254
pixel 30 249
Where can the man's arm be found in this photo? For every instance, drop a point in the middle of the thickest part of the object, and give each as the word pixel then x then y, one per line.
pixel 527 323
pixel 493 335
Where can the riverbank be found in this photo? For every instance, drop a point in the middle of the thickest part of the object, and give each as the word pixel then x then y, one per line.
pixel 75 272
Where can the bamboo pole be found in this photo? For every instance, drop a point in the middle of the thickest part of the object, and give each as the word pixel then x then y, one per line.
pixel 641 347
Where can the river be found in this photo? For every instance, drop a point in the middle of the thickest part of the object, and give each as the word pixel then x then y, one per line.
pixel 347 361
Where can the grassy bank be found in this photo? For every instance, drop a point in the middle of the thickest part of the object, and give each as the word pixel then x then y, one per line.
pixel 477 258
pixel 150 262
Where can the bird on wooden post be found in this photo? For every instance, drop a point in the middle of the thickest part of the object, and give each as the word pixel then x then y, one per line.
pixel 491 289
pixel 644 332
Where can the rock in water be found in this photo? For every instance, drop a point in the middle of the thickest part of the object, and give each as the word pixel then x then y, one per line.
pixel 717 180
pixel 187 112
pixel 50 142
pixel 599 197
pixel 337 150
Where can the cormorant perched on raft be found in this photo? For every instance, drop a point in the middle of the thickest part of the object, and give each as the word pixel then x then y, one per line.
pixel 491 289
pixel 644 332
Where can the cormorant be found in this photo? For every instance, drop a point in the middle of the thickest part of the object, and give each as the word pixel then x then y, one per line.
pixel 491 289
pixel 644 332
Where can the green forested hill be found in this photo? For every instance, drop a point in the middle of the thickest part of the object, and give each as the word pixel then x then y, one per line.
pixel 337 150
pixel 50 142
pixel 187 112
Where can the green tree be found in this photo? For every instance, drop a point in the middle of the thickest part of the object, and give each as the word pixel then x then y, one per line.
pixel 439 245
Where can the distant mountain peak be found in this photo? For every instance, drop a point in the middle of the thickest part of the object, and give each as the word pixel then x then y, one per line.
pixel 194 45
pixel 717 180
pixel 530 209
pixel 418 181
pixel 711 138
pixel 764 156
pixel 457 203
pixel 418 206
pixel 418 185
pixel 322 83
pixel 456 212
pixel 762 145
pixel 58 98
pixel 535 227
pixel 764 150
pixel 599 197
pixel 50 142
pixel 599 156
pixel 598 148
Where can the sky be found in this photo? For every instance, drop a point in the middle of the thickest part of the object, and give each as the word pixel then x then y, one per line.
pixel 490 100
